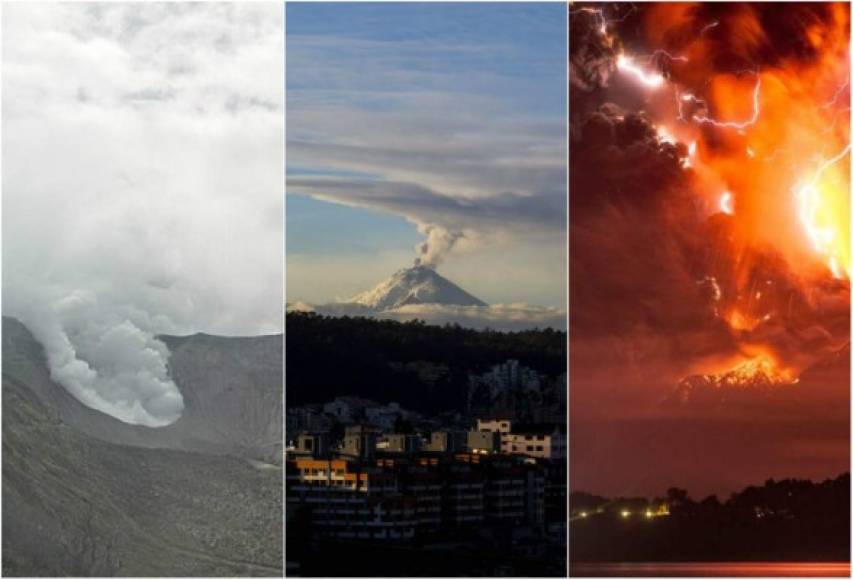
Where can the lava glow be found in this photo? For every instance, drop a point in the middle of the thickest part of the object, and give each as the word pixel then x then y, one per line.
pixel 739 321
pixel 761 367
pixel 755 367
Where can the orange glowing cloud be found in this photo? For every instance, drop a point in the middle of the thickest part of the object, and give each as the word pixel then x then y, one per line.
pixel 772 140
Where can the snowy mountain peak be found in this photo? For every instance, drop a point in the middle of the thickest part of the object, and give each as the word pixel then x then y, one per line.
pixel 416 285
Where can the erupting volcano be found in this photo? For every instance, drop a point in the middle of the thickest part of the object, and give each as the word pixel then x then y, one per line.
pixel 415 285
pixel 759 375
pixel 710 203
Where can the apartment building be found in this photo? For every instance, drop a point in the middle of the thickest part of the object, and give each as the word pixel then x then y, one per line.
pixel 543 441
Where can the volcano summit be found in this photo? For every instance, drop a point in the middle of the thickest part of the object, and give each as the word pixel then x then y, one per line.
pixel 415 285
pixel 421 293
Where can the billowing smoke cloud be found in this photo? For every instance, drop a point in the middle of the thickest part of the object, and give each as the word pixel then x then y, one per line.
pixel 142 182
pixel 645 241
pixel 105 355
pixel 592 57
pixel 438 243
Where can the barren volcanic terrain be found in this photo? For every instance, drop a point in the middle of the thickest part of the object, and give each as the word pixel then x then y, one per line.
pixel 87 495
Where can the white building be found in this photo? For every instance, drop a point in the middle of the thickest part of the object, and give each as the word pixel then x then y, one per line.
pixel 541 442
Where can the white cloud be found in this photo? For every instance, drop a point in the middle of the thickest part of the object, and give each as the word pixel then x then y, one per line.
pixel 503 317
pixel 142 184
pixel 506 317
pixel 453 154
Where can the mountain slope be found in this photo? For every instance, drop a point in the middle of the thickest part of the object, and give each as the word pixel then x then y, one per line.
pixel 416 285
pixel 756 383
pixel 87 495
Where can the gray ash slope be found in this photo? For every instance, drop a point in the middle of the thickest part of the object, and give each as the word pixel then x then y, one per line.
pixel 84 494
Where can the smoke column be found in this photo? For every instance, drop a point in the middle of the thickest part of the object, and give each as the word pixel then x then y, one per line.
pixel 438 244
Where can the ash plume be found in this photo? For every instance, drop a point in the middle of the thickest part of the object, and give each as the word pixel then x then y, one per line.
pixel 692 128
pixel 438 244
pixel 641 226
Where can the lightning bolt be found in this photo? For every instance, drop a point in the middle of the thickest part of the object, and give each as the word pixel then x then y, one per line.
pixel 661 52
pixel 740 125
pixel 836 96
pixel 726 203
pixel 810 198
pixel 681 98
pixel 603 21
pixel 831 127
pixel 708 27
pixel 599 13
pixel 651 80
pixel 809 202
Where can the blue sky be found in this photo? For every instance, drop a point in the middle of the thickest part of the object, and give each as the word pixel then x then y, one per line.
pixel 415 117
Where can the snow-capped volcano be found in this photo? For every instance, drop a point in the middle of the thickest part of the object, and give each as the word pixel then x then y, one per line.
pixel 416 285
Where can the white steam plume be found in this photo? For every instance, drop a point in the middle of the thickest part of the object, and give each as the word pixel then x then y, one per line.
pixel 102 354
pixel 142 187
pixel 438 244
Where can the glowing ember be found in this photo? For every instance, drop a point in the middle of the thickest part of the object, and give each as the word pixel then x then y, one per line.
pixel 760 369
pixel 739 321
